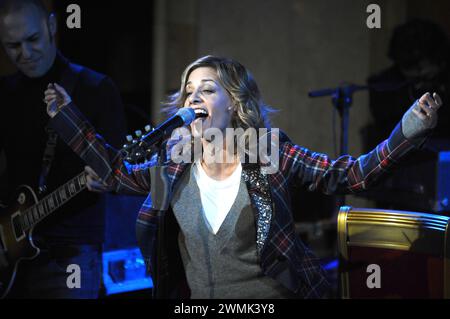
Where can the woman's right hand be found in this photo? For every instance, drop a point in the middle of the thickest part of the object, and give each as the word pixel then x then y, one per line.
pixel 93 182
pixel 56 97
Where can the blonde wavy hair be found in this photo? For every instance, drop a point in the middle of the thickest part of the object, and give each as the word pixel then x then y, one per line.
pixel 250 111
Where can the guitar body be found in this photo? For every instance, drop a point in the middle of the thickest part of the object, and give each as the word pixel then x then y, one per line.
pixel 16 243
pixel 18 220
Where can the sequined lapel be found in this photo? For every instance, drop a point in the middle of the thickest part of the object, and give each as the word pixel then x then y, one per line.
pixel 259 192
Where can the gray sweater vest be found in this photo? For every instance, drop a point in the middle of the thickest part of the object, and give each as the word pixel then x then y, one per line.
pixel 225 265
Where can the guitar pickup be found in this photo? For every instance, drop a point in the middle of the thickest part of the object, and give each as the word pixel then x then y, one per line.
pixel 19 234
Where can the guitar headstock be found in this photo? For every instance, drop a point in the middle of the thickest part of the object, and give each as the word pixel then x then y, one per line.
pixel 132 151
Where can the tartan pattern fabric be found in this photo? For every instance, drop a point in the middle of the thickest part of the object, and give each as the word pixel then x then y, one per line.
pixel 283 257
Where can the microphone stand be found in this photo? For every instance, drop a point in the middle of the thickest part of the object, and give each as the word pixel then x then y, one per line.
pixel 160 195
pixel 342 99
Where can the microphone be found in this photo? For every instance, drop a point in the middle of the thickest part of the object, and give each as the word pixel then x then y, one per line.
pixel 183 117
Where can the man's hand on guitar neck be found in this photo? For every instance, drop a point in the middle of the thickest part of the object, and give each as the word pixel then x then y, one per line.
pixel 93 182
pixel 56 97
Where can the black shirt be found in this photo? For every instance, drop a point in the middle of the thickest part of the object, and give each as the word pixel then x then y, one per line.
pixel 23 139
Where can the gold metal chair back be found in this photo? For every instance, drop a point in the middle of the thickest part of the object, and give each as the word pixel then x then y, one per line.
pixel 412 251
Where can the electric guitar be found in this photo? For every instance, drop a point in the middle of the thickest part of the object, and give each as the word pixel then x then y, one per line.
pixel 18 220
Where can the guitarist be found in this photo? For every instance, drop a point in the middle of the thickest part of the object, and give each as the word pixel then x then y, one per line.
pixel 74 234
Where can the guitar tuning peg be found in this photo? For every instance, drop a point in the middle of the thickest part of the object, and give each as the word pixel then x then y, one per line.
pixel 129 138
pixel 138 133
pixel 147 128
pixel 129 159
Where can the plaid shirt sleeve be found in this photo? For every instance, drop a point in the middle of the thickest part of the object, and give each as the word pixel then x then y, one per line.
pixel 76 131
pixel 345 174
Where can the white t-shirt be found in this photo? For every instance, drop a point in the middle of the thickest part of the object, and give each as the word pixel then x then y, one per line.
pixel 217 196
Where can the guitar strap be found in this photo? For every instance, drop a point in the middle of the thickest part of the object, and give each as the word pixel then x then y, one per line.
pixel 69 79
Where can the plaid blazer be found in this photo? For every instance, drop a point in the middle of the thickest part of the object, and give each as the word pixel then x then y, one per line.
pixel 282 254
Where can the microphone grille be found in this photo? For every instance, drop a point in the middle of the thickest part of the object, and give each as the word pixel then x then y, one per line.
pixel 187 114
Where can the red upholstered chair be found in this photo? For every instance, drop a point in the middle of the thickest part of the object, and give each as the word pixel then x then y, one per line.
pixel 411 249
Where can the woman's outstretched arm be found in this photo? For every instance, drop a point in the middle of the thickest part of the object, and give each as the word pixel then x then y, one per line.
pixel 348 174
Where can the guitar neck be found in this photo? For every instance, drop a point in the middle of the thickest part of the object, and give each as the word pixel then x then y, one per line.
pixel 53 201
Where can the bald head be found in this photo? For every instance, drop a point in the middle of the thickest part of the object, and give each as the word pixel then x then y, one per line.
pixel 8 6
pixel 27 34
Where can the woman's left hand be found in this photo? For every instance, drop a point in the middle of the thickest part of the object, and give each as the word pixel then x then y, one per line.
pixel 422 116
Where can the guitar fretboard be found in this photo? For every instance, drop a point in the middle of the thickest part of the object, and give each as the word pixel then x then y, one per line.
pixel 53 201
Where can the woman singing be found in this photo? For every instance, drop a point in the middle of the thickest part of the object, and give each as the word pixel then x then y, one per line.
pixel 229 226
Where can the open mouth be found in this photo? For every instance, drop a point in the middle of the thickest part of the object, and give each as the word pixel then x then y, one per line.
pixel 201 113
